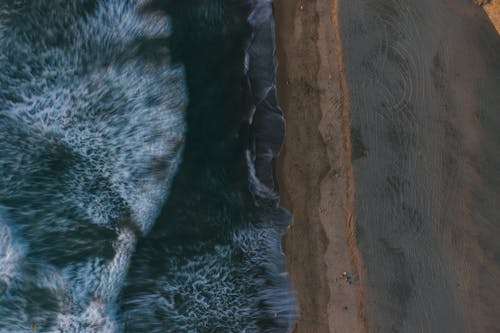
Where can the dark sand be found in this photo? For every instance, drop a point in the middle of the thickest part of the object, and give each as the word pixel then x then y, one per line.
pixel 409 94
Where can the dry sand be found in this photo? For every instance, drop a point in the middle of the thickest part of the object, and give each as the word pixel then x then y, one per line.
pixel 391 164
pixel 492 9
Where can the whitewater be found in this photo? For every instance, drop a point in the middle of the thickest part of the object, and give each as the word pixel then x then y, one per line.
pixel 136 147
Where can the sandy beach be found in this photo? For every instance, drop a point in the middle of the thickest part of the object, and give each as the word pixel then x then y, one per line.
pixel 314 170
pixel 492 9
pixel 390 164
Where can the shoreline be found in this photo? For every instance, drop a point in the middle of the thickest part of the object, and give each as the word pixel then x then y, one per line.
pixel 314 170
pixel 388 165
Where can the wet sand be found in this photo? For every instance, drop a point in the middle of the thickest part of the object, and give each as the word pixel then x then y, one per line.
pixel 390 164
pixel 313 172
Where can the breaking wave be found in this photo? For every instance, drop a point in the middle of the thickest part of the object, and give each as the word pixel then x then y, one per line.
pixel 137 141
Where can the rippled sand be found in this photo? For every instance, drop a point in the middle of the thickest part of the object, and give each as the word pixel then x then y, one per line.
pixel 391 164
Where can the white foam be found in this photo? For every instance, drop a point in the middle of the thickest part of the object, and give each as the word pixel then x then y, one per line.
pixel 119 117
pixel 11 255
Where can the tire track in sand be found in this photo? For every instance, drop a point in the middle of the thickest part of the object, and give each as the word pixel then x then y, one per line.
pixel 352 240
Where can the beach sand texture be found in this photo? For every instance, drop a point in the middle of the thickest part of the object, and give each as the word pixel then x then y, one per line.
pixel 391 164
pixel 492 9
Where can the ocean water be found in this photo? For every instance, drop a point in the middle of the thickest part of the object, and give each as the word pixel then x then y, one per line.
pixel 136 147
